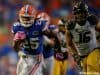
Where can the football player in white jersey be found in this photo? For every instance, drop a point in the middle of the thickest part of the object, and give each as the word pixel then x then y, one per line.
pixel 82 29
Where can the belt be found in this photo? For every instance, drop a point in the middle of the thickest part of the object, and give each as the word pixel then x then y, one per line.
pixel 26 56
pixel 61 56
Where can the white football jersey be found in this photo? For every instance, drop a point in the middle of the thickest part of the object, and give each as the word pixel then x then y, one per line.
pixel 84 38
pixel 98 39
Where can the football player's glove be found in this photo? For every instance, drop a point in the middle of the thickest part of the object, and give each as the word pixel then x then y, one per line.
pixel 19 36
pixel 18 40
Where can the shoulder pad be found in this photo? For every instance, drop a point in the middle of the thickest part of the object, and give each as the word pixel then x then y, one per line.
pixel 92 19
pixel 40 22
pixel 15 27
pixel 71 25
pixel 16 24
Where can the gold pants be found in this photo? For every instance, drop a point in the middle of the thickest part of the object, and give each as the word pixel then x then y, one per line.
pixel 91 64
pixel 60 67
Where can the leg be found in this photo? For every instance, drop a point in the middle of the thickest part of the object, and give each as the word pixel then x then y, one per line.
pixel 35 64
pixel 93 62
pixel 29 66
pixel 64 66
pixel 48 65
pixel 84 65
pixel 22 67
pixel 57 67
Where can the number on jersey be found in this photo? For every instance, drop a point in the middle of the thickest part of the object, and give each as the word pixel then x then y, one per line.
pixel 34 43
pixel 84 37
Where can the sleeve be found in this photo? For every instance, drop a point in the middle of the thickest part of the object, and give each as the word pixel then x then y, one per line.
pixel 45 26
pixel 15 28
pixel 46 39
pixel 93 20
pixel 70 25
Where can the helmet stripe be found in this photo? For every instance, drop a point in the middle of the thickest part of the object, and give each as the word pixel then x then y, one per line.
pixel 26 9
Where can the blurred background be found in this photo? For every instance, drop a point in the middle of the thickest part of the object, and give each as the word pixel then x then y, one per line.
pixel 9 14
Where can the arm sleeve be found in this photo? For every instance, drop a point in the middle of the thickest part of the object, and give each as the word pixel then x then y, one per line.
pixel 15 28
pixel 71 25
pixel 93 20
pixel 45 26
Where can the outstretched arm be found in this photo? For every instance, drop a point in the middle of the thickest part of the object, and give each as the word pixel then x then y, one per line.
pixel 73 50
pixel 70 44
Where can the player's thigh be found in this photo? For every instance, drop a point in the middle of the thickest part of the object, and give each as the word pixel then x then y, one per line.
pixel 48 65
pixel 65 66
pixel 39 70
pixel 35 65
pixel 22 67
pixel 49 62
pixel 57 67
pixel 19 67
pixel 93 61
pixel 29 65
pixel 84 64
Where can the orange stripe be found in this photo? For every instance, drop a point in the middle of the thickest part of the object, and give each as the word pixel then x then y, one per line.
pixel 34 68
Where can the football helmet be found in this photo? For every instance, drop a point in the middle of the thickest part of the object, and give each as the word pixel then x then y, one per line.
pixel 27 15
pixel 44 17
pixel 80 10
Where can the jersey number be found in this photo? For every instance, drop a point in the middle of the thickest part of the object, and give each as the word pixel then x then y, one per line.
pixel 34 43
pixel 84 37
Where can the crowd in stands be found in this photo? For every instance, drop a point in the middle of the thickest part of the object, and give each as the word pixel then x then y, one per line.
pixel 9 13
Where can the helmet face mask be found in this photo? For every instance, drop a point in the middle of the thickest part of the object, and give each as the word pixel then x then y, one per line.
pixel 80 16
pixel 80 11
pixel 26 21
pixel 27 15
